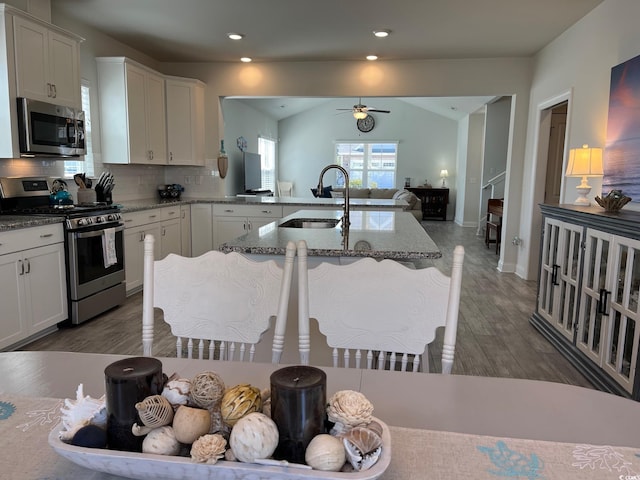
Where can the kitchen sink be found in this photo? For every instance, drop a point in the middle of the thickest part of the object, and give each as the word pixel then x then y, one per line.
pixel 310 223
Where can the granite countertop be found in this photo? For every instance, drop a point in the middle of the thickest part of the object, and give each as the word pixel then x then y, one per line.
pixel 145 204
pixel 378 234
pixel 13 222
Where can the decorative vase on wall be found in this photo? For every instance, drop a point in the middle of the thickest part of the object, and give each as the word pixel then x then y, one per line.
pixel 223 161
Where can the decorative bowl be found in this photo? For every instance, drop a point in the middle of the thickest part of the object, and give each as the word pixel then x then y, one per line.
pixel 614 201
pixel 161 467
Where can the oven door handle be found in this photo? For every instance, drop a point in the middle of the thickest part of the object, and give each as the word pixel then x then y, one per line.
pixel 96 233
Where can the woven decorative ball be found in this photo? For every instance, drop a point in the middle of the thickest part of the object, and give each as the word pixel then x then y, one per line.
pixel 207 389
pixel 155 411
pixel 240 401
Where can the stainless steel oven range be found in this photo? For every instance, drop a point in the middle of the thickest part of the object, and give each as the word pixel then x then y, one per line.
pixel 94 244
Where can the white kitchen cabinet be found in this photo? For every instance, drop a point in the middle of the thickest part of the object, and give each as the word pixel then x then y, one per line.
pixel 132 112
pixel 185 227
pixel 185 121
pixel 231 221
pixel 201 228
pixel 164 225
pixel 47 63
pixel 591 312
pixel 33 286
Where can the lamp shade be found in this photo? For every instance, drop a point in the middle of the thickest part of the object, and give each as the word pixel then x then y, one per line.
pixel 444 173
pixel 585 162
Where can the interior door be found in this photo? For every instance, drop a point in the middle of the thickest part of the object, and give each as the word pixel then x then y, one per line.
pixel 555 155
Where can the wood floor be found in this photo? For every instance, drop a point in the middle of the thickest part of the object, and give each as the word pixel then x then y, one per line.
pixel 495 338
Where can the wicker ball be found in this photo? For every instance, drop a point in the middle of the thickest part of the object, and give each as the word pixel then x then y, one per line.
pixel 155 411
pixel 207 389
pixel 240 401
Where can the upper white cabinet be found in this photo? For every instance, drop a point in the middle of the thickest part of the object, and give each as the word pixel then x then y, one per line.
pixel 132 112
pixel 185 121
pixel 39 61
pixel 47 64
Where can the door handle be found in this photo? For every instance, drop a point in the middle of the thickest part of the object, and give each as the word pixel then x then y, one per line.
pixel 27 266
pixel 53 89
pixel 554 275
pixel 602 302
pixel 20 267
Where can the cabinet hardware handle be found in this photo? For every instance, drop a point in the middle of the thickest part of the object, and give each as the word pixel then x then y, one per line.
pixel 28 266
pixel 55 92
pixel 266 211
pixel 142 236
pixel 602 302
pixel 48 90
pixel 228 211
pixel 554 275
pixel 46 235
pixel 249 225
pixel 171 213
pixel 152 216
pixel 171 156
pixel 21 269
pixel 164 231
pixel 127 220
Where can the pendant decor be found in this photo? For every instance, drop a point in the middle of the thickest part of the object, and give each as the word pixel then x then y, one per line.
pixel 223 161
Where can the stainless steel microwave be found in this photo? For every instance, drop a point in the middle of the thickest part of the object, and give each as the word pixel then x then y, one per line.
pixel 48 130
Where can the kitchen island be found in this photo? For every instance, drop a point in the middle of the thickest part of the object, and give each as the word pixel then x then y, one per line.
pixel 372 233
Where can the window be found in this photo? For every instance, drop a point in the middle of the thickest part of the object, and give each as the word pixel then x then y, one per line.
pixel 71 167
pixel 370 165
pixel 267 151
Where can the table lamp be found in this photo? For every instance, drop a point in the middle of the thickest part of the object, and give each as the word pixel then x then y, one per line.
pixel 443 174
pixel 584 162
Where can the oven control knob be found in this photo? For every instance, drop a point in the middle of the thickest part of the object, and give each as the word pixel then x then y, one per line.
pixel 99 219
pixel 82 222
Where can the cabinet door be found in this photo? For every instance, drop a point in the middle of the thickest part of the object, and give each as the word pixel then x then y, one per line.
pixel 201 228
pixel 134 257
pixel 64 67
pixel 156 119
pixel 622 330
pixel 592 319
pixel 13 323
pixel 560 266
pixel 170 241
pixel 136 110
pixel 185 227
pixel 185 122
pixel 32 60
pixel 45 282
pixel 228 228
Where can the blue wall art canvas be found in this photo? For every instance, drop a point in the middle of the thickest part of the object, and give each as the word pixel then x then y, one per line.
pixel 622 151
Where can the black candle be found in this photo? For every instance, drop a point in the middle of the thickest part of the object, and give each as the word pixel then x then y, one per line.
pixel 298 401
pixel 128 382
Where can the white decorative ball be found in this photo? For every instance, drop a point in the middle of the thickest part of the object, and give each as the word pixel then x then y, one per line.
pixel 254 436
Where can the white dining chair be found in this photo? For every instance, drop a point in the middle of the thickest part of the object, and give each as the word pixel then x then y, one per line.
pixel 285 189
pixel 379 314
pixel 217 302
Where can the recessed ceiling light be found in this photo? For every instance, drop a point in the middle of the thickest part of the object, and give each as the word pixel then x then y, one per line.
pixel 235 36
pixel 245 59
pixel 372 57
pixel 382 33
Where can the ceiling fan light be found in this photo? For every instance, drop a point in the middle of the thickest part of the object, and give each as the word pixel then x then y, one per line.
pixel 372 57
pixel 359 114
pixel 235 36
pixel 245 59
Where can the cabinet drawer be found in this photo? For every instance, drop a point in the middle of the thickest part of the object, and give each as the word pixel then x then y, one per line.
pixel 230 210
pixel 170 213
pixel 135 219
pixel 26 238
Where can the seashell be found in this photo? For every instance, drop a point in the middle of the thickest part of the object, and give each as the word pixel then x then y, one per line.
pixel 84 410
pixel 190 423
pixel 207 389
pixel 613 201
pixel 208 449
pixel 254 436
pixel 155 411
pixel 177 391
pixel 229 456
pixel 326 453
pixel 362 447
pixel 161 441
pixel 347 409
pixel 376 427
pixel 239 401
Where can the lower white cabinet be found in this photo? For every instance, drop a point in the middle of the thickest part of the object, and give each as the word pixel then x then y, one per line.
pixel 185 229
pixel 201 228
pixel 588 293
pixel 165 226
pixel 33 285
pixel 231 221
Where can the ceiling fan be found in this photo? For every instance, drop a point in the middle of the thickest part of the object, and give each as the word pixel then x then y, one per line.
pixel 360 111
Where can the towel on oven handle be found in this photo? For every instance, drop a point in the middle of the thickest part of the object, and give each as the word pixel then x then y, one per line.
pixel 109 247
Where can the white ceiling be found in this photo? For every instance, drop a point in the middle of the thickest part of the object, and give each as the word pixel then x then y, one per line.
pixel 306 30
pixel 331 30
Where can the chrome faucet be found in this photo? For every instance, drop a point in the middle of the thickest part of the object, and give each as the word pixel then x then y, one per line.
pixel 345 215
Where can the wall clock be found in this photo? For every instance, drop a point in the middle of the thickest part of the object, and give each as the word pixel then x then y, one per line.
pixel 366 124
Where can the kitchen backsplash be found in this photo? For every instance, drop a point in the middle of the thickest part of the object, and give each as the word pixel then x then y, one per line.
pixel 133 182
